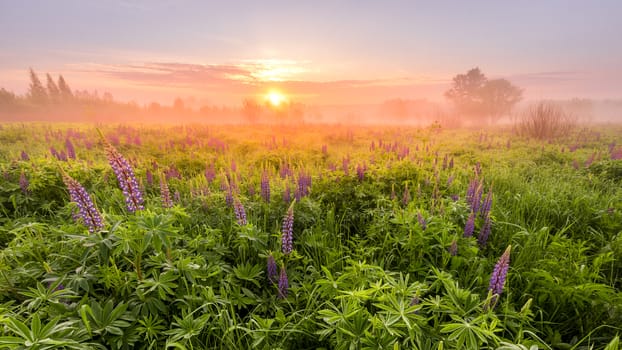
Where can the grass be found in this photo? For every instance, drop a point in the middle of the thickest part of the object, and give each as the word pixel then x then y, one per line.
pixel 378 262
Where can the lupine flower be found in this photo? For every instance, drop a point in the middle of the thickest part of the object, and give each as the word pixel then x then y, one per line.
pixel 345 164
pixel 71 152
pixel 62 156
pixel 287 231
pixel 283 283
pixel 149 176
pixel 406 196
pixel 53 152
pixel 240 213
pixel 265 186
pixel 469 227
pixel 453 248
pixel 87 212
pixel 287 197
pixel 360 171
pixel 482 237
pixel 25 156
pixel 23 183
pixel 125 176
pixel 499 275
pixel 272 269
pixel 422 221
pixel 229 196
pixel 210 173
pixel 484 209
pixel 165 193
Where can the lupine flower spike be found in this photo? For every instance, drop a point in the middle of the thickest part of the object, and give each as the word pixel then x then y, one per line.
pixel 272 269
pixel 125 175
pixel 87 213
pixel 499 275
pixel 287 233
pixel 283 283
pixel 165 193
pixel 240 213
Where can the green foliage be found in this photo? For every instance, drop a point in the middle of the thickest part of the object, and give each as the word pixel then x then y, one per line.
pixel 379 262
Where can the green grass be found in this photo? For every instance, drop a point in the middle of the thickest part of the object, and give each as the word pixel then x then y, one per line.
pixel 364 273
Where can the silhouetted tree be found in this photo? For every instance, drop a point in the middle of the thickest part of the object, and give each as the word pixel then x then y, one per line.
pixel 36 91
pixel 52 89
pixel 64 90
pixel 474 95
pixel 498 98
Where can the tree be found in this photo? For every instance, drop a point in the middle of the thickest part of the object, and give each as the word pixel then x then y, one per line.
pixel 36 91
pixel 64 90
pixel 474 95
pixel 498 98
pixel 52 89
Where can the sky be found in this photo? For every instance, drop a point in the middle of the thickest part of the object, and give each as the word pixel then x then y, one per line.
pixel 316 52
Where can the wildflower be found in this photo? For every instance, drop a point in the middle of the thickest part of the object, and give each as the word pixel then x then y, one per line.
pixel 23 183
pixel 272 269
pixel 360 171
pixel 287 232
pixel 240 213
pixel 71 152
pixel 499 275
pixel 484 209
pixel 283 283
pixel 287 197
pixel 149 176
pixel 25 156
pixel 87 212
pixel 482 237
pixel 265 186
pixel 125 176
pixel 165 193
pixel 453 248
pixel 422 221
pixel 406 196
pixel 469 227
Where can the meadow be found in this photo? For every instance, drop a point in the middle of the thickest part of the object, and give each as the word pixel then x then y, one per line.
pixel 309 237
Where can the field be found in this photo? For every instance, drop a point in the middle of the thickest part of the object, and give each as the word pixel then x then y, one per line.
pixel 308 237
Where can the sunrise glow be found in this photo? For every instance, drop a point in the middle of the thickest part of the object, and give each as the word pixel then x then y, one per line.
pixel 275 98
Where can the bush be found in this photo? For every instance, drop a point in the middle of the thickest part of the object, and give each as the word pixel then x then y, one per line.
pixel 545 120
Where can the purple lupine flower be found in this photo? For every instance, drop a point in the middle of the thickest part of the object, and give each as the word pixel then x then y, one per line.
pixel 360 171
pixel 287 231
pixel 422 221
pixel 24 156
pixel 455 197
pixel 210 173
pixel 240 213
pixel 482 237
pixel 287 197
pixel 229 196
pixel 265 186
pixel 165 193
pixel 283 283
pixel 87 212
pixel 345 164
pixel 406 196
pixel 453 248
pixel 71 151
pixel 499 275
pixel 62 156
pixel 272 269
pixel 53 152
pixel 23 183
pixel 469 227
pixel 484 209
pixel 125 176
pixel 149 176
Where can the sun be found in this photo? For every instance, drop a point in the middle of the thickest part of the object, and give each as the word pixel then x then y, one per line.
pixel 276 98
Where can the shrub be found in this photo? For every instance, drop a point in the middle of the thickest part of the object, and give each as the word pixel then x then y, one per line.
pixel 545 120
